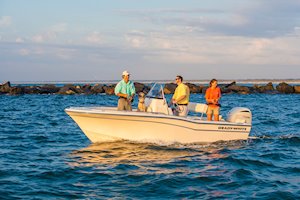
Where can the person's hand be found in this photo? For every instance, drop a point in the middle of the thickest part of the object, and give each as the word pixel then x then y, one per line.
pixel 171 102
pixel 211 101
pixel 130 99
pixel 123 95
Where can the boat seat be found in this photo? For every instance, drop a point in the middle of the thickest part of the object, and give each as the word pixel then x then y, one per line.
pixel 198 108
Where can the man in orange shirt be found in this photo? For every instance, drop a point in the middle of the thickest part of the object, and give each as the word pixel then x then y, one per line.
pixel 212 96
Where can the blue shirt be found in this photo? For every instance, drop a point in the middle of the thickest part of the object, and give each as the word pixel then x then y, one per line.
pixel 125 88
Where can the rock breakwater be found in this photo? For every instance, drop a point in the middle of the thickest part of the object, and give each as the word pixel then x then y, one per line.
pixel 169 88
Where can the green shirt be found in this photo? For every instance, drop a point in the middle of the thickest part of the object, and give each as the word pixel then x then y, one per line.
pixel 125 88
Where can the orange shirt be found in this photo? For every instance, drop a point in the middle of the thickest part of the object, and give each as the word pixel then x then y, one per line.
pixel 212 94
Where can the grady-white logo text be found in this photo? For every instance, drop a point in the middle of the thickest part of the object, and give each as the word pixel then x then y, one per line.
pixel 230 128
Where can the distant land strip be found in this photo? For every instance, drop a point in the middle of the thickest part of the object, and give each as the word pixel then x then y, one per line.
pixel 222 81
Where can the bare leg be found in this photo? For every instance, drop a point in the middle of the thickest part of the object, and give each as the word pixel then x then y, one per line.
pixel 209 116
pixel 216 117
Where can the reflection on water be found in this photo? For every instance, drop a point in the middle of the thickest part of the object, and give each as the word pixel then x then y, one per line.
pixel 140 154
pixel 157 168
pixel 215 170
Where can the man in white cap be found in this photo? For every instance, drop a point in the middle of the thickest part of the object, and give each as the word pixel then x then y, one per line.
pixel 125 90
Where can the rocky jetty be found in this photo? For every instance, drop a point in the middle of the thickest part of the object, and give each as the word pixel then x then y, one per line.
pixel 297 89
pixel 5 87
pixel 285 88
pixel 169 88
pixel 234 88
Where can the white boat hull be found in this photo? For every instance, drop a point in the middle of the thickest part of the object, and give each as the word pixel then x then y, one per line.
pixel 107 124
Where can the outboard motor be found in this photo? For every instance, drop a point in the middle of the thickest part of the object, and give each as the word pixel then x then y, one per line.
pixel 239 115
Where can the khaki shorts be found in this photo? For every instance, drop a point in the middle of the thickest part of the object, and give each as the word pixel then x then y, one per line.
pixel 182 111
pixel 123 104
pixel 213 110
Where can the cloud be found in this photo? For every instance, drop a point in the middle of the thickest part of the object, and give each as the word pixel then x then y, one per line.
pixel 50 34
pixel 58 28
pixel 65 53
pixel 5 21
pixel 136 39
pixel 171 49
pixel 206 57
pixel 167 11
pixel 19 40
pixel 24 52
pixel 44 37
pixel 39 38
pixel 266 19
pixel 94 38
pixel 262 18
pixel 176 45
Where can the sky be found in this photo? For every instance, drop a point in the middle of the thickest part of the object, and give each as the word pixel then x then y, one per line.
pixel 68 40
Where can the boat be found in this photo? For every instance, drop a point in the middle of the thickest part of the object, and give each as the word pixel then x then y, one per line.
pixel 158 124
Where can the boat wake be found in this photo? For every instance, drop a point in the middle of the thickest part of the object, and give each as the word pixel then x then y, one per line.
pixel 288 137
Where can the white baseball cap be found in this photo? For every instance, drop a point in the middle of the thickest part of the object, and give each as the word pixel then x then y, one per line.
pixel 125 73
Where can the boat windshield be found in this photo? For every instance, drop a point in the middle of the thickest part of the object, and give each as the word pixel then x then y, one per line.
pixel 156 92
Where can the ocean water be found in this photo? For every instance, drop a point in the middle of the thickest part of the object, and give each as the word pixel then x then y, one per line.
pixel 44 155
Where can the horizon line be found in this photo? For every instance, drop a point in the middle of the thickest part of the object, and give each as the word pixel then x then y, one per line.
pixel 261 80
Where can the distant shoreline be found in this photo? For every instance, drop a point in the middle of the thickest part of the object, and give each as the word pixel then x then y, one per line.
pixel 221 81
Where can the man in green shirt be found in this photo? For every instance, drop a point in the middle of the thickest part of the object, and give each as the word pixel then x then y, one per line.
pixel 125 90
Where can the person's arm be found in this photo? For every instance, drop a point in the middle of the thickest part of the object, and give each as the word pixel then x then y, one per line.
pixel 173 98
pixel 122 95
pixel 219 96
pixel 171 101
pixel 179 99
pixel 118 91
pixel 132 90
pixel 207 95
pixel 182 96
pixel 216 100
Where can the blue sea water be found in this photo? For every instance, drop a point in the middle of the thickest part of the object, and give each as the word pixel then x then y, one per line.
pixel 44 155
